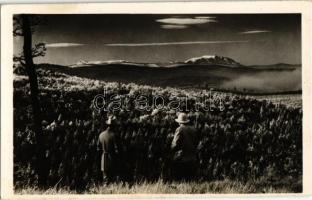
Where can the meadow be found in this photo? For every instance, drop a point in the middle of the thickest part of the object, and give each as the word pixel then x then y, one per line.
pixel 253 145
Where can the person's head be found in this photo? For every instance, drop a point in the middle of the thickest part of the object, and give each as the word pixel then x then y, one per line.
pixel 111 121
pixel 182 118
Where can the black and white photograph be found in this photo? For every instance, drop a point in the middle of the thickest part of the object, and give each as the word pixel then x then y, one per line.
pixel 148 103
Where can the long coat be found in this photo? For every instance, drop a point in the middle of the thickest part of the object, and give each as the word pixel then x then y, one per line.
pixel 184 144
pixel 107 143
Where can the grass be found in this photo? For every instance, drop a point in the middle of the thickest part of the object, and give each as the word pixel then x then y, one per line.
pixel 290 100
pixel 69 83
pixel 159 187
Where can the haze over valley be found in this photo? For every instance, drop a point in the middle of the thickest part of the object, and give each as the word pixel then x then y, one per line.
pixel 204 72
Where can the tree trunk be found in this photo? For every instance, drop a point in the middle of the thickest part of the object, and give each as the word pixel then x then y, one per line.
pixel 41 167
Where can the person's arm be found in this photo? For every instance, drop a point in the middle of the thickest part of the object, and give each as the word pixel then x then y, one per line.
pixel 197 136
pixel 117 144
pixel 196 122
pixel 177 140
pixel 99 145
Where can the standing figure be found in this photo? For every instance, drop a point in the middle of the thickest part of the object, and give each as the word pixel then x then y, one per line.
pixel 109 147
pixel 183 148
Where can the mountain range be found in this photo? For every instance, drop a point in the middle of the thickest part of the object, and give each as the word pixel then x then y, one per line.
pixel 205 60
pixel 208 71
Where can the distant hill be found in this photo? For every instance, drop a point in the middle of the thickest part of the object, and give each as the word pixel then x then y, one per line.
pixel 249 79
pixel 112 62
pixel 279 66
pixel 205 60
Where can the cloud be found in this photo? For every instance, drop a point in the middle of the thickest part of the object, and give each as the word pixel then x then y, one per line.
pixel 171 26
pixel 255 31
pixel 205 17
pixel 186 21
pixel 60 45
pixel 175 43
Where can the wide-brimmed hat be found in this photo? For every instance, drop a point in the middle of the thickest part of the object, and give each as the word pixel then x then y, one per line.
pixel 111 120
pixel 182 118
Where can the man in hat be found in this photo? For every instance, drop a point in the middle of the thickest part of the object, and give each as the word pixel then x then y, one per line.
pixel 183 148
pixel 109 147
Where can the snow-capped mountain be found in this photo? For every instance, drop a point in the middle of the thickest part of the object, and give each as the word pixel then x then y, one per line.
pixel 203 60
pixel 87 63
pixel 84 63
pixel 213 60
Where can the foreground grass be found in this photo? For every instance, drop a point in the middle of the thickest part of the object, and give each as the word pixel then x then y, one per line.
pixel 159 187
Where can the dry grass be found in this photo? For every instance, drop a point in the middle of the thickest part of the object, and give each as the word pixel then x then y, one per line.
pixel 290 100
pixel 159 187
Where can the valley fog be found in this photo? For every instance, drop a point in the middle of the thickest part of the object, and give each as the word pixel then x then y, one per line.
pixel 268 81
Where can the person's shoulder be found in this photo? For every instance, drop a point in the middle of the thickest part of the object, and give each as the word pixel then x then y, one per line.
pixel 177 131
pixel 181 129
pixel 190 128
pixel 103 133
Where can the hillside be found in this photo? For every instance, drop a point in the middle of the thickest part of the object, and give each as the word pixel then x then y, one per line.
pixel 217 72
pixel 243 135
pixel 241 78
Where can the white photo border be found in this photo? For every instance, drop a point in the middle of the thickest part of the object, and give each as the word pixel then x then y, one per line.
pixel 225 7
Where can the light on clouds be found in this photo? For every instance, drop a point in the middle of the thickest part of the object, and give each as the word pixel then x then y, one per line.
pixel 171 26
pixel 60 45
pixel 186 21
pixel 205 17
pixel 255 32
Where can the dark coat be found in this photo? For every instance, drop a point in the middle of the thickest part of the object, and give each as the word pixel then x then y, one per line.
pixel 184 144
pixel 107 143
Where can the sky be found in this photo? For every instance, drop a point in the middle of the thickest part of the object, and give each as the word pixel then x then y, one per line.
pixel 250 39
